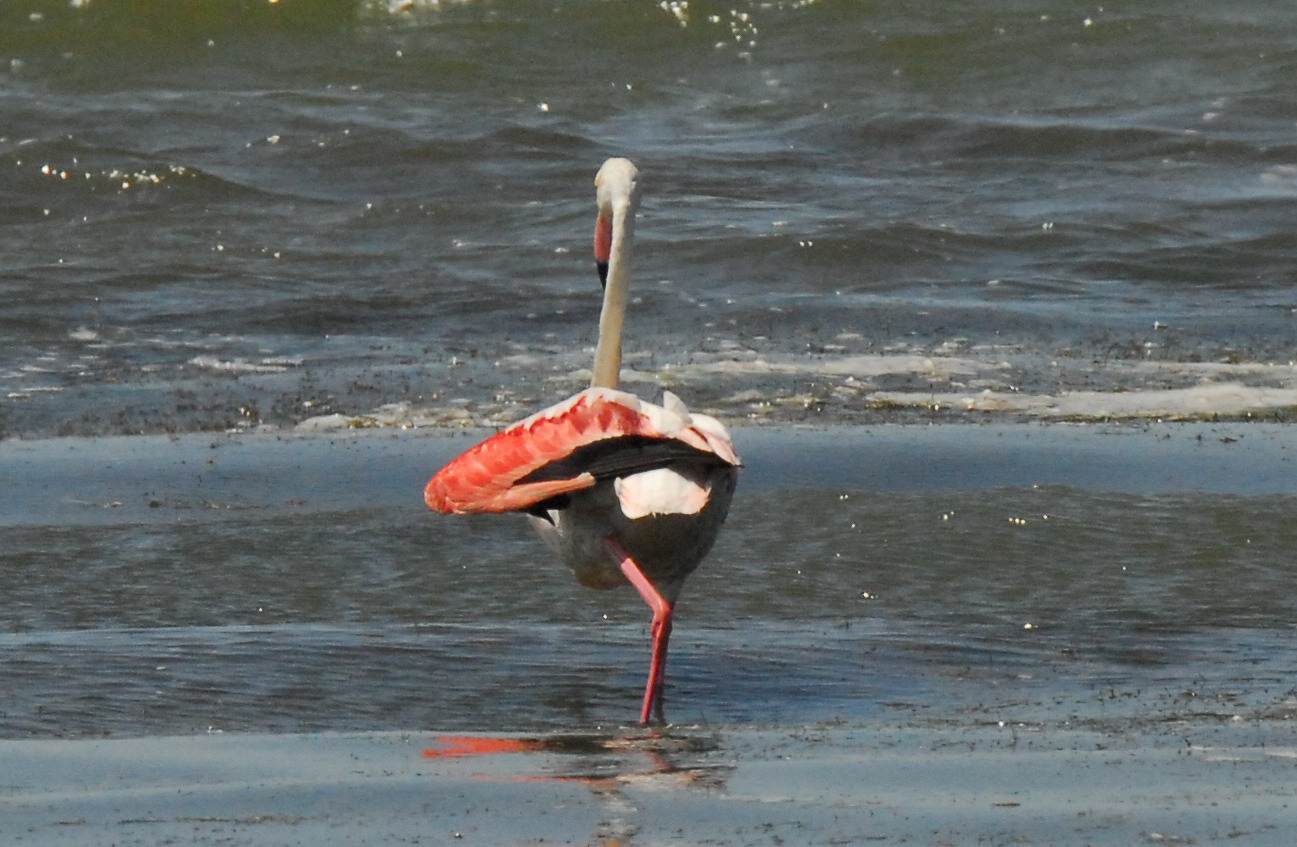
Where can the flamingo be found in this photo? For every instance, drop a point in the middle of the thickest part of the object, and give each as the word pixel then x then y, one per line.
pixel 623 490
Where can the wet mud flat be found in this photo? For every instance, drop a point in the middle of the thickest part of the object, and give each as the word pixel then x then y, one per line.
pixel 1193 782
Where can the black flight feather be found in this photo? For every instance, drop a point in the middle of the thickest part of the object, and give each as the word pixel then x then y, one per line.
pixel 610 458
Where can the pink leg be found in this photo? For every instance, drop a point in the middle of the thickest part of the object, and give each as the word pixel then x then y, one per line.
pixel 661 627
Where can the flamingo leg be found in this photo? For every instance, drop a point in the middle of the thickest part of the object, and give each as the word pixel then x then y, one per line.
pixel 661 628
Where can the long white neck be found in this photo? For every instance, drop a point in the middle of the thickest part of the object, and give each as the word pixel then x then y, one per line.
pixel 607 355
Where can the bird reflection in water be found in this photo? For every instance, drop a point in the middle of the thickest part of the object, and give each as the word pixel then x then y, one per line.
pixel 607 765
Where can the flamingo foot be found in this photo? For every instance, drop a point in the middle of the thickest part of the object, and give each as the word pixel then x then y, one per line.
pixel 661 629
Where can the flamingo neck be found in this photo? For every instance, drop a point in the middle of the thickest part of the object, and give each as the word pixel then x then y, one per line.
pixel 607 355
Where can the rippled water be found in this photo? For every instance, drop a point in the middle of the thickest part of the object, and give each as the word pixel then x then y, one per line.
pixel 236 216
pixel 226 215
pixel 912 574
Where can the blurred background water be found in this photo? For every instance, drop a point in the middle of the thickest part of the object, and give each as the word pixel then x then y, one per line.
pixel 219 214
pixel 245 215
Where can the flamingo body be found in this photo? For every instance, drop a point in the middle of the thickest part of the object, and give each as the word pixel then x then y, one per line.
pixel 533 460
pixel 603 462
pixel 623 490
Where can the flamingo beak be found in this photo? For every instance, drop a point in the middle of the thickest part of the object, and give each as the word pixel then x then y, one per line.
pixel 602 246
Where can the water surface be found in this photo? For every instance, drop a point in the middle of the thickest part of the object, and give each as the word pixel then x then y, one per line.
pixel 283 220
pixel 232 215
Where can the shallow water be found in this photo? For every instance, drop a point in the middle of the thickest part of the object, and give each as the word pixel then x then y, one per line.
pixel 288 219
pixel 197 586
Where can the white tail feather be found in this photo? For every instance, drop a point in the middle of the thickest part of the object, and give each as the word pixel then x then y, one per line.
pixel 664 491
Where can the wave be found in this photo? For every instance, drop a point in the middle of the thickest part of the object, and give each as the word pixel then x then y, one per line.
pixel 37 24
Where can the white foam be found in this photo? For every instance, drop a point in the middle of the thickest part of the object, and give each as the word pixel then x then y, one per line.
pixel 860 366
pixel 745 384
pixel 327 422
pixel 1220 398
pixel 236 365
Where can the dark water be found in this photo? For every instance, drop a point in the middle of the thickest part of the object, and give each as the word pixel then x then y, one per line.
pixel 230 214
pixel 244 216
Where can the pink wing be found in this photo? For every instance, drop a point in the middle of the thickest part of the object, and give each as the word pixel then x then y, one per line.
pixel 508 472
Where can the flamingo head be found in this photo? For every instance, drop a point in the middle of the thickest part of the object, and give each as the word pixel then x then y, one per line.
pixel 617 194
